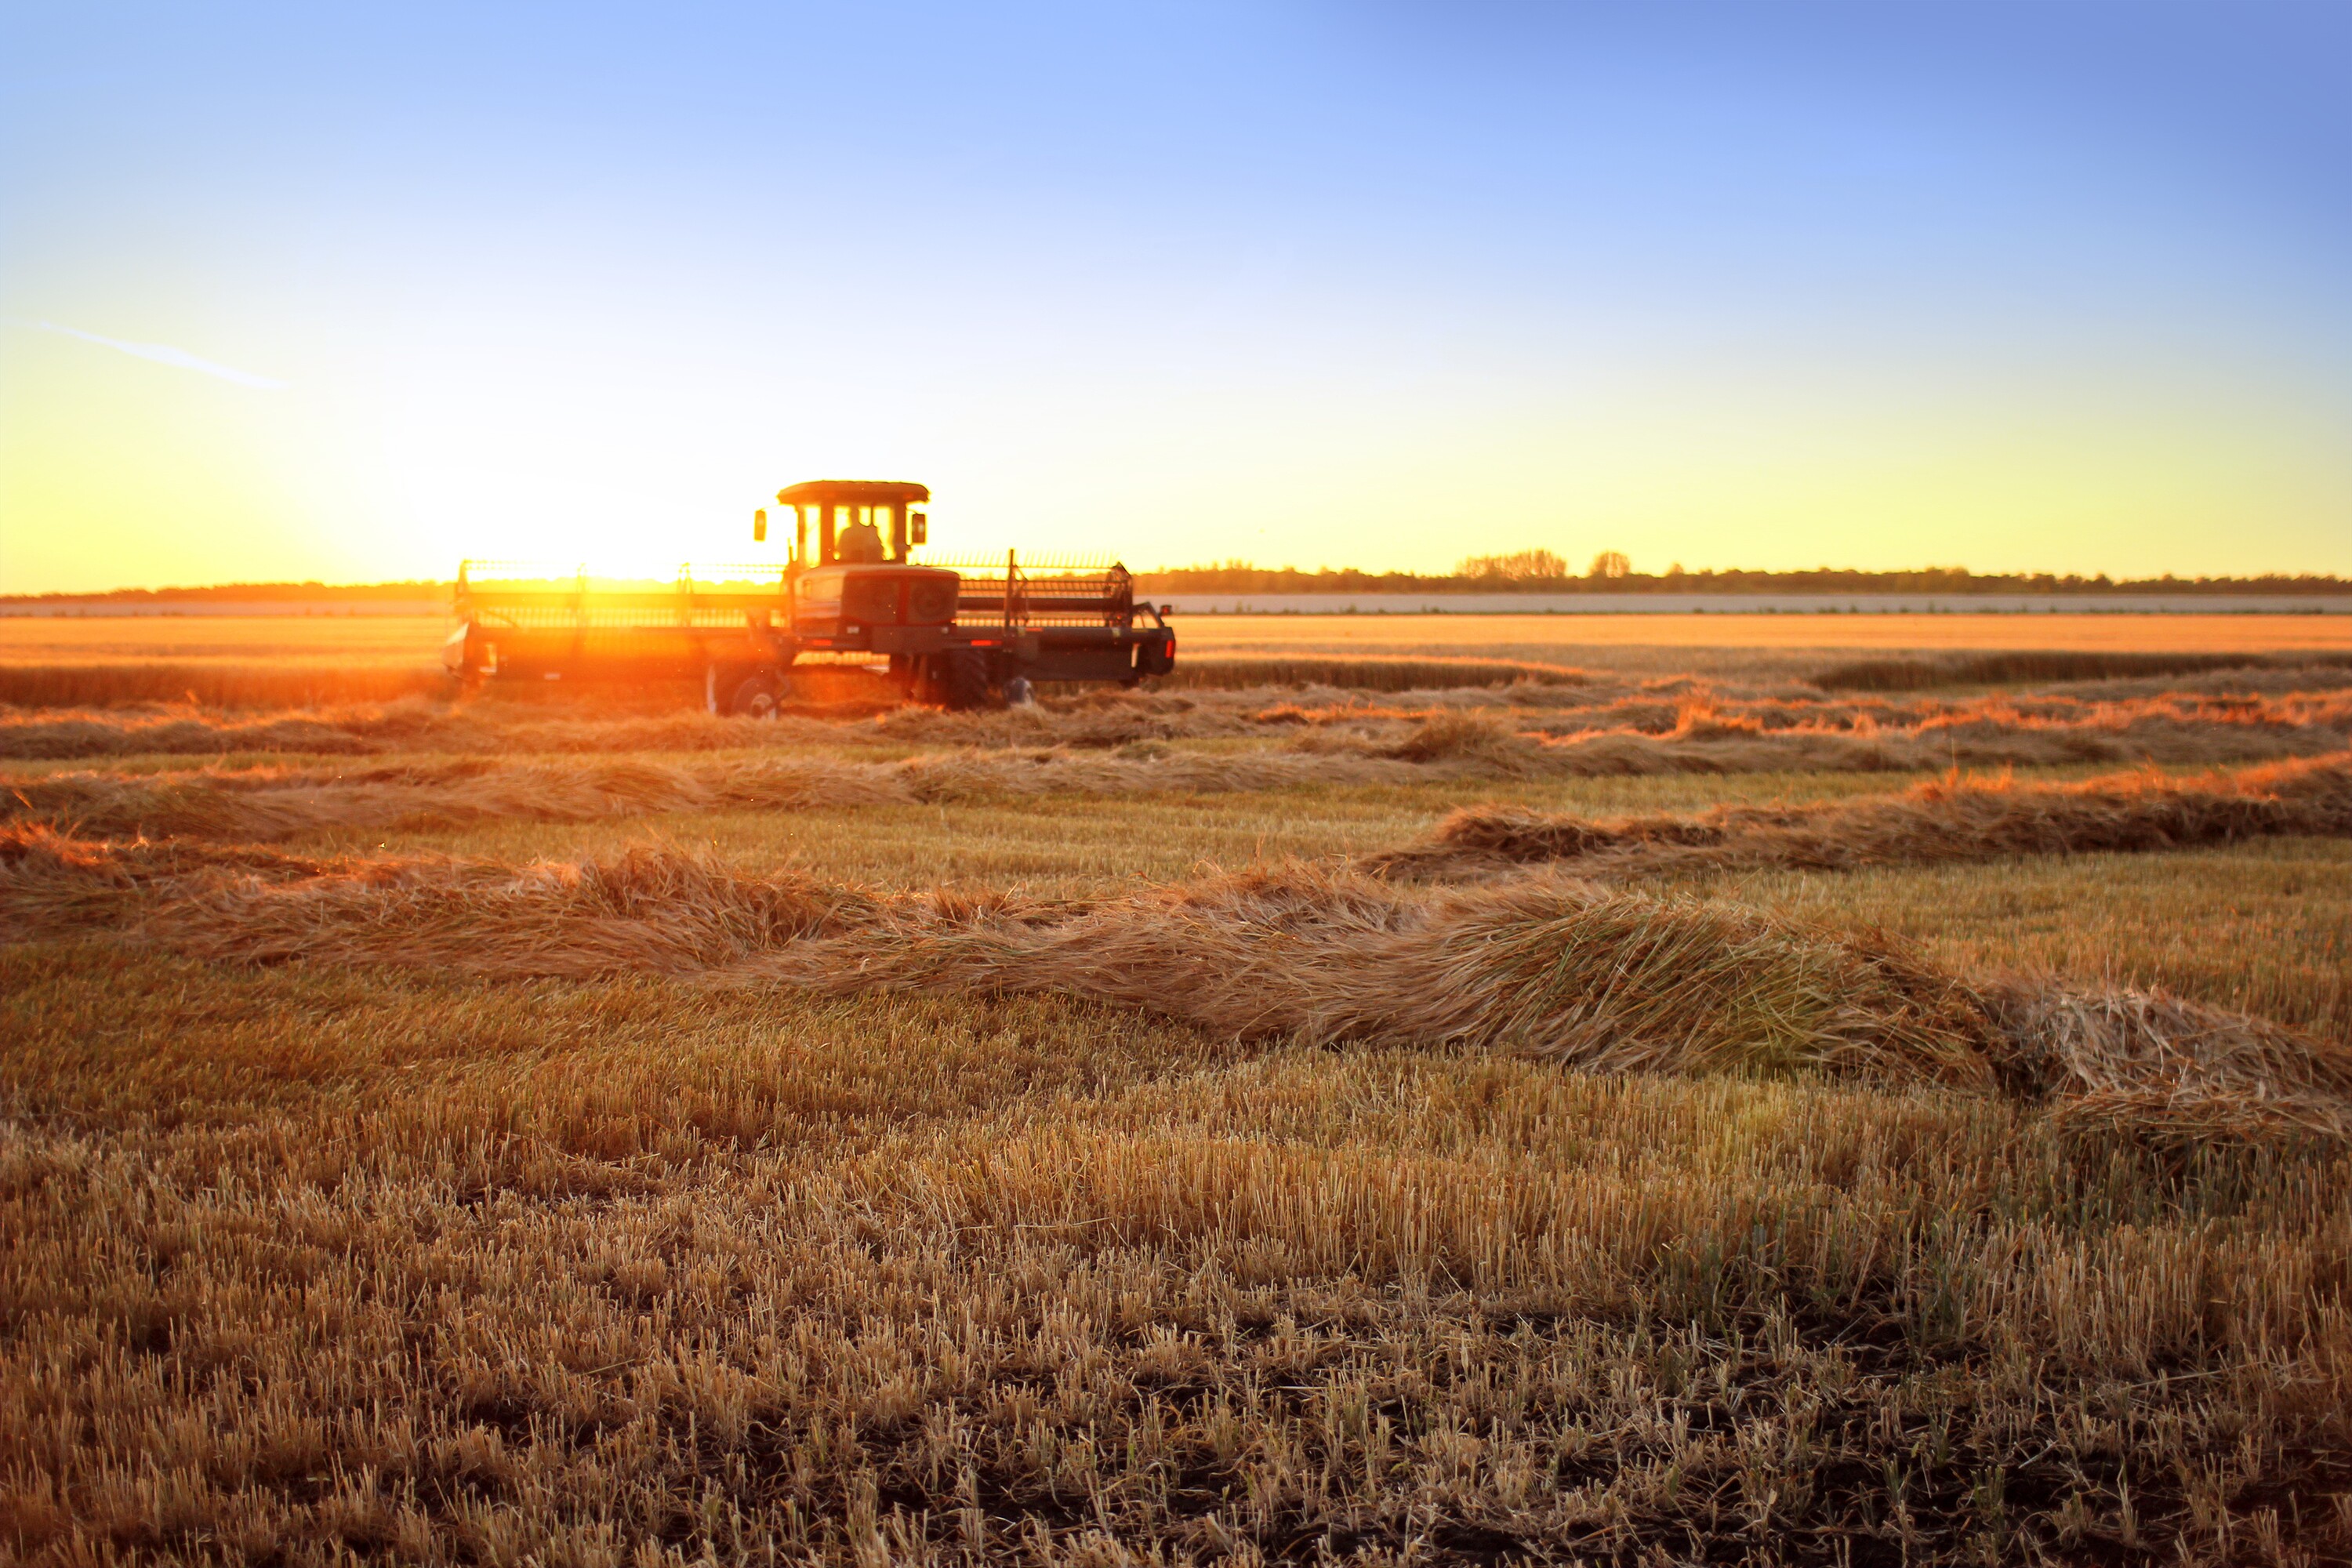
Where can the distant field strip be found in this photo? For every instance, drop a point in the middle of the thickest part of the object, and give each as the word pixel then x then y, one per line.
pixel 274 804
pixel 1562 971
pixel 1942 821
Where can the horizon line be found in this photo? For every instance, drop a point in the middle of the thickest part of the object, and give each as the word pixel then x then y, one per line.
pixel 1418 582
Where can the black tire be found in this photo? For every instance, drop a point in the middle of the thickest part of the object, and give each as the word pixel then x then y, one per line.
pixel 757 698
pixel 960 678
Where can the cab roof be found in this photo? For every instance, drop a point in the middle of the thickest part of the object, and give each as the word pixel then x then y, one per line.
pixel 852 492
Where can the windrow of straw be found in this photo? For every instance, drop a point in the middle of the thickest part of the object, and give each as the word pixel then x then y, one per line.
pixel 266 804
pixel 1614 982
pixel 1708 745
pixel 1094 721
pixel 52 884
pixel 1563 971
pixel 2297 712
pixel 410 725
pixel 2160 1069
pixel 1953 820
pixel 2043 665
pixel 649 909
pixel 222 684
pixel 274 803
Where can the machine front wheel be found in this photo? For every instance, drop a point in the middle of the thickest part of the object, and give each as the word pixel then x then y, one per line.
pixel 959 679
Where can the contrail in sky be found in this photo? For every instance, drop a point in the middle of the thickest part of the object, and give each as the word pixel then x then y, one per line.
pixel 164 354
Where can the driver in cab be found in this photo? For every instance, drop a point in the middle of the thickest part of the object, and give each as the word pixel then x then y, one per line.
pixel 860 544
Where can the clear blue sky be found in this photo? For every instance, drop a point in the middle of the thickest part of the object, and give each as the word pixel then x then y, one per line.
pixel 351 291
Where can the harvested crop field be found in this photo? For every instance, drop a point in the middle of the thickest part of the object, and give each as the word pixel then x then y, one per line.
pixel 1368 1100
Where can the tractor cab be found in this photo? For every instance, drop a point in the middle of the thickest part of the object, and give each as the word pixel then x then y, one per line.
pixel 851 522
pixel 852 583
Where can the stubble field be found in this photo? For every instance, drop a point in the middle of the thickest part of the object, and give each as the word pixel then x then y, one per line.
pixel 1397 1100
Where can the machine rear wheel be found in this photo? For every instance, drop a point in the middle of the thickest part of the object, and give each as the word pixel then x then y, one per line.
pixel 757 698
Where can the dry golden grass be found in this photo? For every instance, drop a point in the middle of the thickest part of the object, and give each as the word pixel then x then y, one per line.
pixel 621 1271
pixel 521 1192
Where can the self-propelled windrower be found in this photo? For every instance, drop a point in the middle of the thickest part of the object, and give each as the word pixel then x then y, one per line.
pixel 959 634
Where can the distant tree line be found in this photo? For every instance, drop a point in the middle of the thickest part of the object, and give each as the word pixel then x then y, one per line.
pixel 246 594
pixel 1541 571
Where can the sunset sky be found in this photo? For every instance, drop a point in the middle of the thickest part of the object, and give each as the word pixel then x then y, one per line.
pixel 351 292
